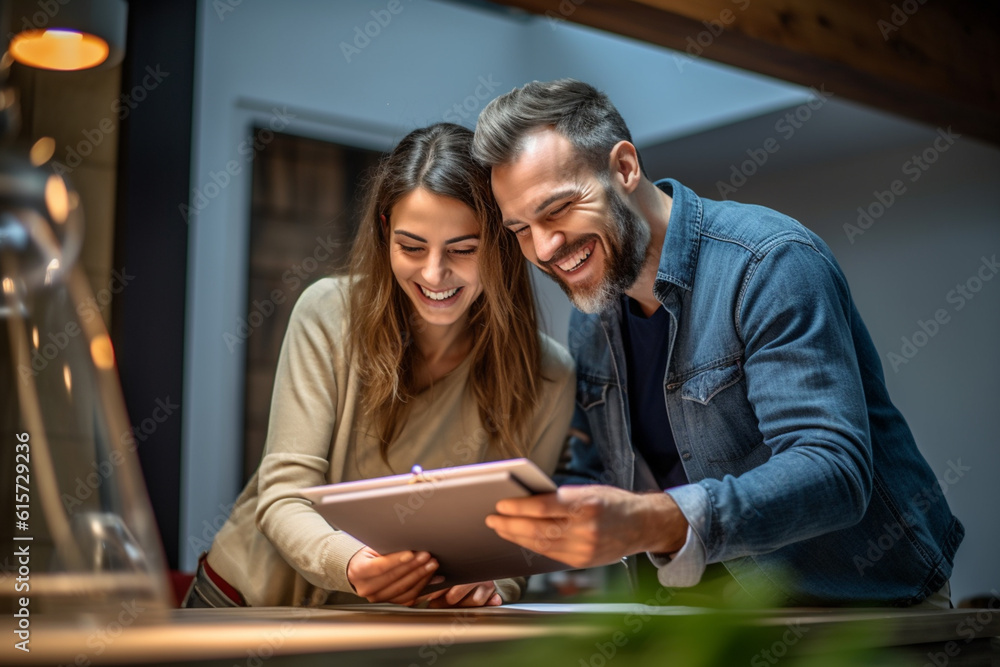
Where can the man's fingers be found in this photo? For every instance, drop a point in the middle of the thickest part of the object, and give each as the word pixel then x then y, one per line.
pixel 527 530
pixel 567 501
pixel 540 506
pixel 552 539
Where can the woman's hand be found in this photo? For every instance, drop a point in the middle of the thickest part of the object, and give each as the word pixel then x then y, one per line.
pixel 398 577
pixel 483 594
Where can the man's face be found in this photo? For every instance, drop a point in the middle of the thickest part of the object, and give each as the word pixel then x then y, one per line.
pixel 570 222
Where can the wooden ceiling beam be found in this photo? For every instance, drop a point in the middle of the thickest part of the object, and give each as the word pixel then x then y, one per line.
pixel 934 61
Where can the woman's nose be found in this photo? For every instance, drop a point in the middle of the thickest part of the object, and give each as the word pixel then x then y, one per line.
pixel 436 268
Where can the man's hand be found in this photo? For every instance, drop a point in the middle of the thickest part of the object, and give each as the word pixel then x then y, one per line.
pixel 397 577
pixel 483 594
pixel 586 526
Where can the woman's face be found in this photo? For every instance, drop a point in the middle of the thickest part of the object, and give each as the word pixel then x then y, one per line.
pixel 433 251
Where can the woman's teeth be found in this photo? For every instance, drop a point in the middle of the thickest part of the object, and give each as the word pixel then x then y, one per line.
pixel 439 296
pixel 574 261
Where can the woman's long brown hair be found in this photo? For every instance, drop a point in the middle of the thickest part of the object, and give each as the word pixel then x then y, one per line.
pixel 506 359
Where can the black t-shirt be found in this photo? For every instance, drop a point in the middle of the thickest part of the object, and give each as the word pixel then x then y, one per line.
pixel 645 342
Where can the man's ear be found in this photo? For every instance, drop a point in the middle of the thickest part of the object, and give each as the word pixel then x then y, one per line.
pixel 623 163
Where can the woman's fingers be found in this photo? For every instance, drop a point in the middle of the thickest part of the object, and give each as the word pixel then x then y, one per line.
pixel 403 583
pixel 468 595
pixel 382 578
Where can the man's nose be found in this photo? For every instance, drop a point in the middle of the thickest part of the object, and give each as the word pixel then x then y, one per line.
pixel 547 242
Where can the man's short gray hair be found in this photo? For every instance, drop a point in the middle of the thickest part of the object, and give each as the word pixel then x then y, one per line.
pixel 577 110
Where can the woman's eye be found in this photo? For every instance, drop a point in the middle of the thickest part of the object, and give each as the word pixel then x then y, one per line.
pixel 465 251
pixel 408 248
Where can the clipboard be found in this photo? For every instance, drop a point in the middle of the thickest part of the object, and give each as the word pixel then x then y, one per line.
pixel 442 512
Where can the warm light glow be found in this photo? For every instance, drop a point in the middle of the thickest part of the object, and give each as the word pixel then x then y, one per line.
pixel 42 151
pixel 8 285
pixel 102 353
pixel 57 198
pixel 58 49
pixel 8 98
pixel 34 336
pixel 68 379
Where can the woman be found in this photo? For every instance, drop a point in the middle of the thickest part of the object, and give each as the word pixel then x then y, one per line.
pixel 426 353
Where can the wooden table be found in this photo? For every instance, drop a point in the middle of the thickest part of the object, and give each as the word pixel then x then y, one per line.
pixel 578 635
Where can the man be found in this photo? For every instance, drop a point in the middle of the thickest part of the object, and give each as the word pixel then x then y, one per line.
pixel 720 358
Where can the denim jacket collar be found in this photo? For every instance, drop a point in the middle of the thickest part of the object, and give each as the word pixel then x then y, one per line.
pixel 679 255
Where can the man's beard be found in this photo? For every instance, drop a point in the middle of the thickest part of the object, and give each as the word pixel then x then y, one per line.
pixel 626 242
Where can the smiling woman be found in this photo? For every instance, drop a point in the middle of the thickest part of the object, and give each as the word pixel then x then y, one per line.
pixel 426 353
pixel 433 256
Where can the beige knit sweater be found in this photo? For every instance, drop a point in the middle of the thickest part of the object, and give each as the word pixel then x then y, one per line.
pixel 274 548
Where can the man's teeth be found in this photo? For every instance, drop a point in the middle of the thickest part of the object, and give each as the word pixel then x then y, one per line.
pixel 574 261
pixel 439 296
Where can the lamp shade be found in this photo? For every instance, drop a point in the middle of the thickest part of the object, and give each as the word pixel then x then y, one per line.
pixel 72 35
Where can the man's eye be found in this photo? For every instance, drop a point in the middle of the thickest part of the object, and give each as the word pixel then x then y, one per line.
pixel 523 231
pixel 559 210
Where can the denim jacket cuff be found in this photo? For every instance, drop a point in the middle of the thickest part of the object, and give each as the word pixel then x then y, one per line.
pixel 686 567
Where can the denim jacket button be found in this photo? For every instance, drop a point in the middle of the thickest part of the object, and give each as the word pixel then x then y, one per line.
pixel 686 456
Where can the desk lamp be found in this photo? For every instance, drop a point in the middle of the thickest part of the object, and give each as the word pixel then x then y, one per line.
pixel 75 520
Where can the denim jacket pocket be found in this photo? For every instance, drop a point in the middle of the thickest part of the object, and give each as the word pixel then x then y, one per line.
pixel 590 393
pixel 705 385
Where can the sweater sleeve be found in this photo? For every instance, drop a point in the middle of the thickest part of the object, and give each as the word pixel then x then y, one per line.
pixel 300 430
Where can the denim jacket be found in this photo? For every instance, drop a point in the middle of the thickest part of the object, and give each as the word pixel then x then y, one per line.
pixel 805 480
